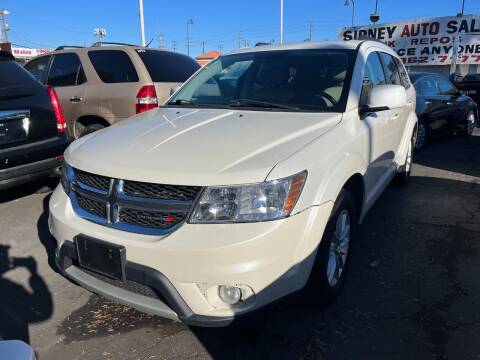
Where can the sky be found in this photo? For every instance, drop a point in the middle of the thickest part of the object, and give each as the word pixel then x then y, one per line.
pixel 50 23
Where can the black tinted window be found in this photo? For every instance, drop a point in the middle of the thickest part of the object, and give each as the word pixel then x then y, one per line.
pixel 404 78
pixel 390 68
pixel 426 87
pixel 38 67
pixel 12 74
pixel 446 87
pixel 373 76
pixel 113 66
pixel 167 67
pixel 64 70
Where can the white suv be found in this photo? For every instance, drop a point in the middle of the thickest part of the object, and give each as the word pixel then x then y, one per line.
pixel 247 185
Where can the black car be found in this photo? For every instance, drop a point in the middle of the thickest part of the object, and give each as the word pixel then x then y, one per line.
pixel 33 133
pixel 470 85
pixel 441 108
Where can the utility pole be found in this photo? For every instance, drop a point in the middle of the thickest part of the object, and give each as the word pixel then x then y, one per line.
pixel 204 43
pixel 161 41
pixel 189 22
pixel 281 21
pixel 174 45
pixel 239 39
pixel 4 25
pixel 310 31
pixel 142 25
pixel 463 7
pixel 245 43
pixel 220 48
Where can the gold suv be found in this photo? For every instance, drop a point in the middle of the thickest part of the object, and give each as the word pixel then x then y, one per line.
pixel 100 85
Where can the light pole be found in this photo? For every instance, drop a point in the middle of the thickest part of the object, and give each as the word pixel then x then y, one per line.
pixel 375 16
pixel 4 25
pixel 281 21
pixel 189 22
pixel 100 32
pixel 347 3
pixel 142 24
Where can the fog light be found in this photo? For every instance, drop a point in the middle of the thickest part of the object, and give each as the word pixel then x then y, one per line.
pixel 230 294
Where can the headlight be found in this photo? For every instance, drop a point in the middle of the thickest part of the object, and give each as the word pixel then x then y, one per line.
pixel 65 179
pixel 248 203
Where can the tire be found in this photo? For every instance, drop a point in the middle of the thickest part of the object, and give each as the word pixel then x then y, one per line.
pixel 470 123
pixel 402 177
pixel 327 278
pixel 422 136
pixel 90 129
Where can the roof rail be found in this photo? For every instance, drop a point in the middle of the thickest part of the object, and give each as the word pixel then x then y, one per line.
pixel 63 47
pixel 102 43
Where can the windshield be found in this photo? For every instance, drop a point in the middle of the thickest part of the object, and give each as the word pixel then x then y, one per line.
pixel 288 80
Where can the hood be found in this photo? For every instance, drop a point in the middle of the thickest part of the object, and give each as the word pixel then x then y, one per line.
pixel 198 146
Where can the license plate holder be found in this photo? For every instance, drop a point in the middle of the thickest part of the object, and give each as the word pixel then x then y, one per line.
pixel 14 126
pixel 101 257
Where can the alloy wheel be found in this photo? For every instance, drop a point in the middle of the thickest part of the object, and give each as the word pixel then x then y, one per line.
pixel 339 246
pixel 470 123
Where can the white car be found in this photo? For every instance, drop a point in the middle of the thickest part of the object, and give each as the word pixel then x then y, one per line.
pixel 246 186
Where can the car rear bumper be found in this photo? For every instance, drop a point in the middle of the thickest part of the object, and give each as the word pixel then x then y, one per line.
pixel 27 162
pixel 271 259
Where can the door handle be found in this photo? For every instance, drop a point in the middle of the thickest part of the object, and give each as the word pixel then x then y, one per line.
pixel 428 103
pixel 76 99
pixel 394 117
pixel 449 103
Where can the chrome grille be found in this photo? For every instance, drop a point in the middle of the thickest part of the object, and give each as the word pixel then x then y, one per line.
pixel 133 206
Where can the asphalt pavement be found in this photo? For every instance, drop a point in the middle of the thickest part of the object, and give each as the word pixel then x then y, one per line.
pixel 412 292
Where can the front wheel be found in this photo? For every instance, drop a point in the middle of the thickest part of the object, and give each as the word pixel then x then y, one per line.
pixel 470 123
pixel 333 255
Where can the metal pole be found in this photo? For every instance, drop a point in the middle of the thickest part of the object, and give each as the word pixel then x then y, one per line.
pixel 188 38
pixel 281 21
pixel 142 25
pixel 463 6
pixel 353 12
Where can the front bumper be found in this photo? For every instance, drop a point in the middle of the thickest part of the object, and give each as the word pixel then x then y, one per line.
pixel 272 258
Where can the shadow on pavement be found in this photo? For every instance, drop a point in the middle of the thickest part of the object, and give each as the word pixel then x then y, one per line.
pixel 45 237
pixel 38 186
pixel 453 153
pixel 19 306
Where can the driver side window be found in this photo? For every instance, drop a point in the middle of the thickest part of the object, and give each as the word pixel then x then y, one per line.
pixel 373 76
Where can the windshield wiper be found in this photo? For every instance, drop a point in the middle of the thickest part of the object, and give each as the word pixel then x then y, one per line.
pixel 258 103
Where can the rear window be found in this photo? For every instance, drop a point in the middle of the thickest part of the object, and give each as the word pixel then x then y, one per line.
pixel 113 66
pixel 12 74
pixel 167 67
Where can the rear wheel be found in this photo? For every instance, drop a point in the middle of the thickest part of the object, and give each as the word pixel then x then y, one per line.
pixel 333 255
pixel 403 175
pixel 422 135
pixel 470 123
pixel 90 129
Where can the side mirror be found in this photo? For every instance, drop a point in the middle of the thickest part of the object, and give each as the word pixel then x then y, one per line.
pixel 174 89
pixel 385 97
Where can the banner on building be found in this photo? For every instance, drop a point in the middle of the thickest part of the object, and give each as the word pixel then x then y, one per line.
pixel 428 41
pixel 27 53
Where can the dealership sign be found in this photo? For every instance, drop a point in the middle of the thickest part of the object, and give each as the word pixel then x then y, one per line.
pixel 27 53
pixel 426 42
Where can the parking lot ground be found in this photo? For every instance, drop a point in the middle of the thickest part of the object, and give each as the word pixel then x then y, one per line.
pixel 413 288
